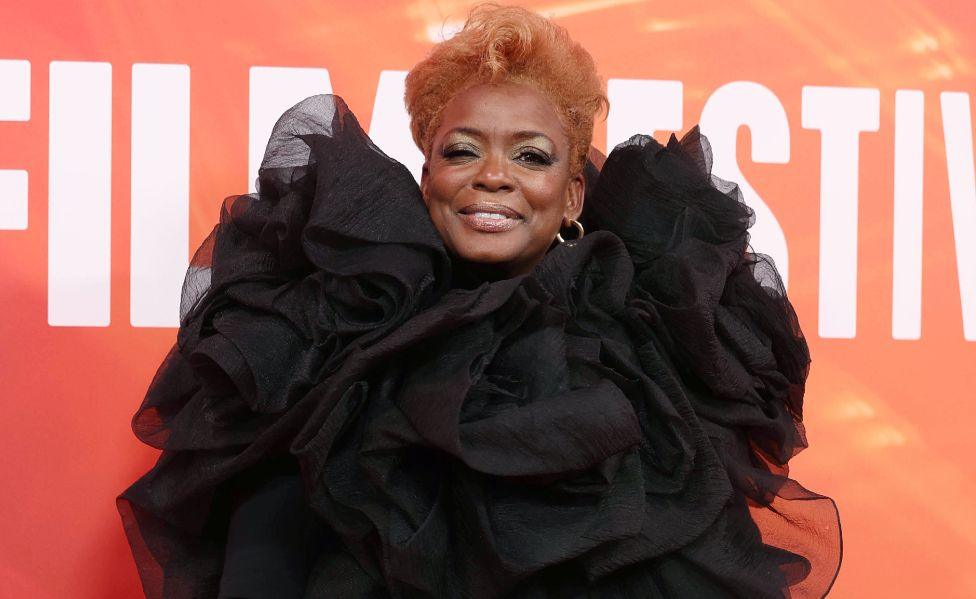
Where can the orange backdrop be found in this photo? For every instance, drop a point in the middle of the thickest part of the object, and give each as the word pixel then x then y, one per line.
pixel 889 419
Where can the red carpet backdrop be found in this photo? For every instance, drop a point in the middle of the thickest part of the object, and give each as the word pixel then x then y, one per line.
pixel 123 125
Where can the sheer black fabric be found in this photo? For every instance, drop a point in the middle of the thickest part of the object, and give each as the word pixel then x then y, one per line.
pixel 273 536
pixel 616 423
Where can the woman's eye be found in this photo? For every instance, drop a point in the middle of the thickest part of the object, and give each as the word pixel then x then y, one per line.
pixel 535 158
pixel 459 153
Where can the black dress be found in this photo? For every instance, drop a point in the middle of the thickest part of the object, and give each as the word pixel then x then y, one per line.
pixel 345 415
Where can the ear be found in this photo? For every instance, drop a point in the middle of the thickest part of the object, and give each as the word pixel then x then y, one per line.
pixel 424 181
pixel 574 197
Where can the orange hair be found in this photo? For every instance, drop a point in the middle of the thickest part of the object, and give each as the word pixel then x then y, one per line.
pixel 508 44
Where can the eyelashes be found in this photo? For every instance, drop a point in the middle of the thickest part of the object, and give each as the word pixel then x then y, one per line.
pixel 530 157
pixel 459 153
pixel 535 157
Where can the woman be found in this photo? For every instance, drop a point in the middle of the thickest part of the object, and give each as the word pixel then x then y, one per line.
pixel 380 390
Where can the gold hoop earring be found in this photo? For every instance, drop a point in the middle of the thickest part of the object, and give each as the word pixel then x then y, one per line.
pixel 579 227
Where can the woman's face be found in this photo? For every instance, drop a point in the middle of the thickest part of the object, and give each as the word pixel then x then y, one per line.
pixel 497 182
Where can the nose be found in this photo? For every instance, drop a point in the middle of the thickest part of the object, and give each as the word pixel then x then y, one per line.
pixel 494 175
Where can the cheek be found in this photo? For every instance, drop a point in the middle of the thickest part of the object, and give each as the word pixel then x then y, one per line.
pixel 441 189
pixel 547 197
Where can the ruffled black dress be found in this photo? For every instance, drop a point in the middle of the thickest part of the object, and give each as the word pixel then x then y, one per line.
pixel 345 415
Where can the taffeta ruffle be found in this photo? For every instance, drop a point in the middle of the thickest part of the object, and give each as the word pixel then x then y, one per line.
pixel 617 423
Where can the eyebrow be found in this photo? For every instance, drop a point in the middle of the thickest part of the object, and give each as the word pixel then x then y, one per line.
pixel 519 135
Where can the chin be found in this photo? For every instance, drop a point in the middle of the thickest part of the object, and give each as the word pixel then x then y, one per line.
pixel 482 256
pixel 488 248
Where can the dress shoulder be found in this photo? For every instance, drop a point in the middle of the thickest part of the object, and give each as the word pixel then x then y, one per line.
pixel 720 314
pixel 334 251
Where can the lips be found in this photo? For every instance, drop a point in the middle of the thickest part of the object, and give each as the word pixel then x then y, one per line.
pixel 490 218
pixel 489 208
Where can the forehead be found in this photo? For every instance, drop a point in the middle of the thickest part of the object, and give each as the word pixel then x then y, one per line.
pixel 504 108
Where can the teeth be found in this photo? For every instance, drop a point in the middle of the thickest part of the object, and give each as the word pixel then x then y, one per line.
pixel 491 215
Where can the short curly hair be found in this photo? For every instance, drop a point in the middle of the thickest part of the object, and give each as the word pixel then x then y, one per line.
pixel 508 44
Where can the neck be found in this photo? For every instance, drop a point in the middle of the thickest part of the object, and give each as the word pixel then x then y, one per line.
pixel 469 275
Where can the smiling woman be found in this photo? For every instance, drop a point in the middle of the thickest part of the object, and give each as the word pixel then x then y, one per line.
pixel 504 115
pixel 385 390
pixel 498 184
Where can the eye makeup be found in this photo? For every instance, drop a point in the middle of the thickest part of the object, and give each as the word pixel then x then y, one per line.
pixel 528 155
pixel 459 151
pixel 533 156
